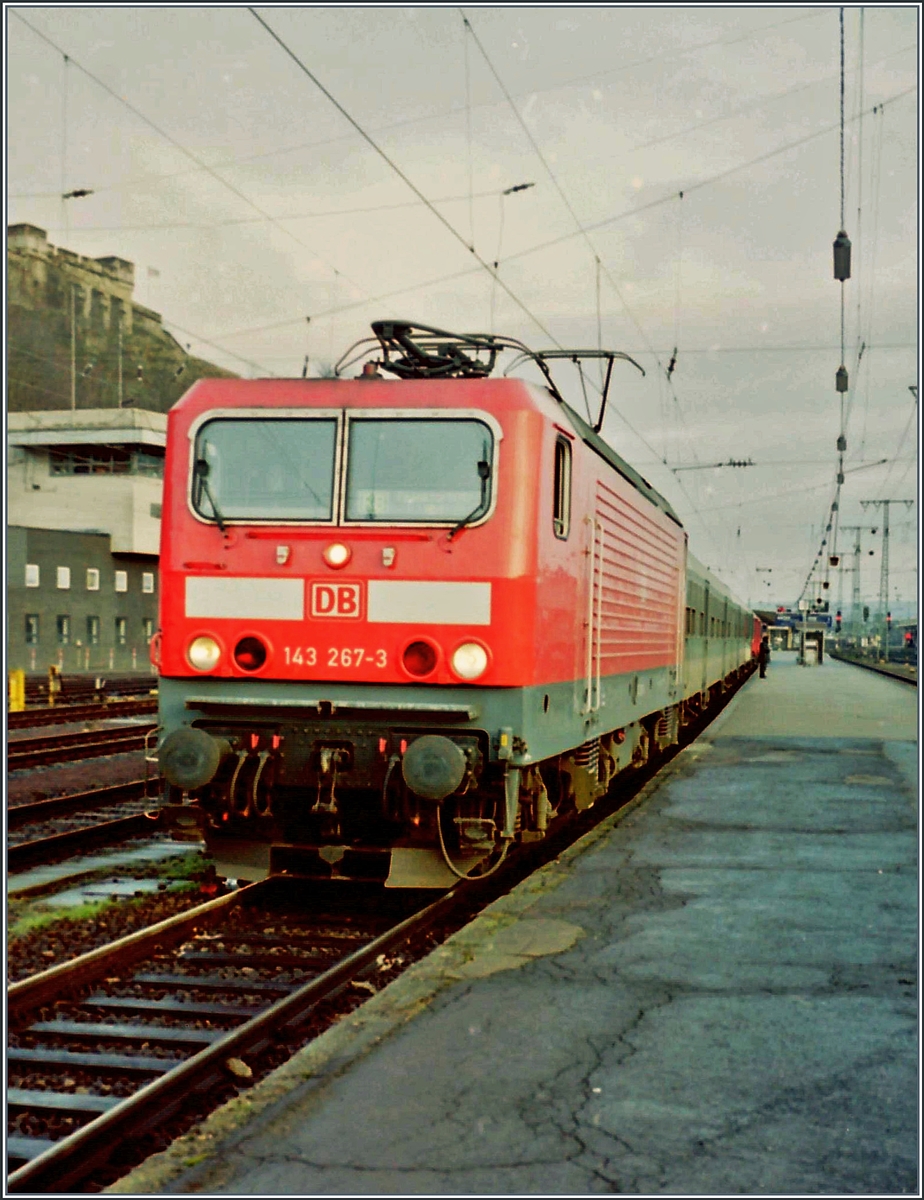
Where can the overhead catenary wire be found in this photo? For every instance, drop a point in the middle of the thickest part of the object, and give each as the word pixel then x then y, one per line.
pixel 303 216
pixel 582 231
pixel 760 102
pixel 453 110
pixel 175 143
pixel 626 214
pixel 397 170
pixel 471 140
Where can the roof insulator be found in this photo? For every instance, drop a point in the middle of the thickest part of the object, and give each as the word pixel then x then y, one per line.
pixel 841 257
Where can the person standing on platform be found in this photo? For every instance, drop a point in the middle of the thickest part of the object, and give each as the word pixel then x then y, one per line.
pixel 763 656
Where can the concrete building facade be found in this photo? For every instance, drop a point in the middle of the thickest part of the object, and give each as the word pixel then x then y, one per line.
pixel 73 604
pixel 84 504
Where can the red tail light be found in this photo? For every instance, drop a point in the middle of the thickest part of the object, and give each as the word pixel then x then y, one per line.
pixel 250 654
pixel 419 659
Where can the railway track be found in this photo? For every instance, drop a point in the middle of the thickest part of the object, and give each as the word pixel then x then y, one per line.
pixel 200 998
pixel 64 806
pixel 61 714
pixel 67 747
pixel 162 1014
pixel 893 670
pixel 38 851
pixel 83 689
pixel 25 850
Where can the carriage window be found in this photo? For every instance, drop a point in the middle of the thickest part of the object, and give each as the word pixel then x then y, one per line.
pixel 255 469
pixel 561 516
pixel 418 469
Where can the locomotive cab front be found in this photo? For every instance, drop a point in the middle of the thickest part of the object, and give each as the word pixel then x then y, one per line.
pixel 348 594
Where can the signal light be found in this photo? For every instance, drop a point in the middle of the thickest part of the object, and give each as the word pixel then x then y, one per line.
pixel 470 660
pixel 337 555
pixel 419 659
pixel 250 654
pixel 203 653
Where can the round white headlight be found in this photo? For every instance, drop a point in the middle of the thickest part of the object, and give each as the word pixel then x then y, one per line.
pixel 337 555
pixel 470 660
pixel 203 653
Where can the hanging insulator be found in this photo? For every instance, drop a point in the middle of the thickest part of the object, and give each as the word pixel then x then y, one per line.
pixel 842 444
pixel 834 559
pixel 840 379
pixel 841 257
pixel 840 477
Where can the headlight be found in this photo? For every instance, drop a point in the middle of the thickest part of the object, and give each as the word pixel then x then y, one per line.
pixel 337 555
pixel 470 660
pixel 203 653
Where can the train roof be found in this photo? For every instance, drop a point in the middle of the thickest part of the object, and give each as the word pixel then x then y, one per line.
pixel 605 450
pixel 236 392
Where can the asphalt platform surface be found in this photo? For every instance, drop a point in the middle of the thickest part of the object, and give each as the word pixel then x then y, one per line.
pixel 712 993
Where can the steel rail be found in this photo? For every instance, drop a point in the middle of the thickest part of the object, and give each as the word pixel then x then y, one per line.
pixel 57 981
pixel 76 738
pixel 70 747
pixel 71 1159
pixel 59 714
pixel 63 806
pixel 41 850
pixel 879 668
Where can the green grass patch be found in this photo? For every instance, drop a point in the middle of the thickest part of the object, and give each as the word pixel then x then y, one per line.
pixel 28 914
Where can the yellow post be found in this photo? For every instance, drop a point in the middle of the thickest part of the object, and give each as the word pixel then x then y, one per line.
pixel 17 691
pixel 54 682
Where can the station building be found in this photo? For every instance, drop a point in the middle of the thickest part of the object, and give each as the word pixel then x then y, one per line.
pixel 91 375
pixel 83 532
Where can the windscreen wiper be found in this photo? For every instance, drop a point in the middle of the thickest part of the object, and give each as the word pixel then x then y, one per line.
pixel 200 473
pixel 484 474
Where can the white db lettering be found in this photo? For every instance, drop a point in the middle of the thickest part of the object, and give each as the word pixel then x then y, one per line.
pixel 335 600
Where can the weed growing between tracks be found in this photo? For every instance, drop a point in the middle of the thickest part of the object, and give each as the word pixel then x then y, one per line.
pixel 42 935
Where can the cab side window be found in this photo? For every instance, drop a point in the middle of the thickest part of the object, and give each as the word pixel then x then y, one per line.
pixel 561 514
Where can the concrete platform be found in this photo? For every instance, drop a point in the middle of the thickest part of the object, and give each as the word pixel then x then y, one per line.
pixel 713 992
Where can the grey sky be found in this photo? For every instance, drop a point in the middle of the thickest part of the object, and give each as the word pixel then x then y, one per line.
pixel 628 106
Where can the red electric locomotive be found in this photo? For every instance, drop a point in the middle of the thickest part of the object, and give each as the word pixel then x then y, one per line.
pixel 406 622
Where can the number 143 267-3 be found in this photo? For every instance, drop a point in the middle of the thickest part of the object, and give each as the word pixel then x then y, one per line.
pixel 348 656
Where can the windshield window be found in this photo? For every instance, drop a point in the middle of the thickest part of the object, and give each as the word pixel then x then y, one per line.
pixel 265 469
pixel 423 469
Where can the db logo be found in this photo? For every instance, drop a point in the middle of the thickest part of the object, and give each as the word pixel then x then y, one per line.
pixel 336 600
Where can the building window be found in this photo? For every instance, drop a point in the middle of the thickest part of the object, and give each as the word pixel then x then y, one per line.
pixel 113 460
pixel 147 625
pixel 147 581
pixel 561 514
pixel 92 631
pixel 121 581
pixel 64 578
pixel 120 634
pixel 63 624
pixel 32 575
pixel 32 629
pixel 92 579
